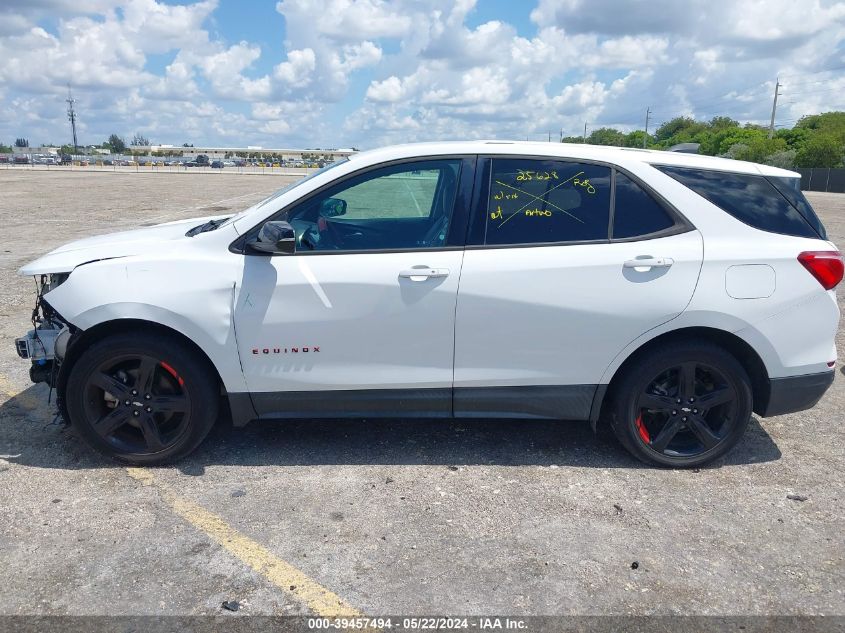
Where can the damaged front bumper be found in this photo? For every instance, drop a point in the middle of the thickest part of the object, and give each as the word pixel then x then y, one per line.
pixel 46 344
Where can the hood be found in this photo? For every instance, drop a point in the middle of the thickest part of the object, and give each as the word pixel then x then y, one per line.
pixel 123 244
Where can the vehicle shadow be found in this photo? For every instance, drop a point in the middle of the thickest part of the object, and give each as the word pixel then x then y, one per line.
pixel 28 436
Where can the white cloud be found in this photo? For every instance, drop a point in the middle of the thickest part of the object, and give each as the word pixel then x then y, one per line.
pixel 297 70
pixel 344 20
pixel 366 72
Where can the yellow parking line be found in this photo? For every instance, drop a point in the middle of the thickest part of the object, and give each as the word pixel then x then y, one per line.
pixel 279 572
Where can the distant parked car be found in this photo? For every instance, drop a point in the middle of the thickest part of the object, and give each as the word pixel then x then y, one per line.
pixel 217 164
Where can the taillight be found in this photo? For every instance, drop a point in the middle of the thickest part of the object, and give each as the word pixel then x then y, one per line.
pixel 826 266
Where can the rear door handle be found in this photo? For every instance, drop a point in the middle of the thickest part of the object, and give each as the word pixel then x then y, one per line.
pixel 420 274
pixel 649 262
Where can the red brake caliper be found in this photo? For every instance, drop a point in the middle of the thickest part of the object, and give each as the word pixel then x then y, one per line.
pixel 173 373
pixel 642 430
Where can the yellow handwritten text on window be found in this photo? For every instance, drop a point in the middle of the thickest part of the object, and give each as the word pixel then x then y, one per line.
pixel 523 174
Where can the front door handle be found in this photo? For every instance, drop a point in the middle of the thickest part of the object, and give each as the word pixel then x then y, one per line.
pixel 649 262
pixel 421 274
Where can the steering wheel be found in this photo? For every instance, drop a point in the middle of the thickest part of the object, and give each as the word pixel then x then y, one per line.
pixel 327 235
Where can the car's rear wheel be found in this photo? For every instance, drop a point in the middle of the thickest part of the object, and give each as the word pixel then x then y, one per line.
pixel 142 398
pixel 682 405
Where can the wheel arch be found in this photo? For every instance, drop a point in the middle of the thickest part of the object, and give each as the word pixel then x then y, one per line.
pixel 240 408
pixel 733 344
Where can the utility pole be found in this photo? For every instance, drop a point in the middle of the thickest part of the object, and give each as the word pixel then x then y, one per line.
pixel 71 115
pixel 774 108
pixel 585 131
pixel 561 135
pixel 647 114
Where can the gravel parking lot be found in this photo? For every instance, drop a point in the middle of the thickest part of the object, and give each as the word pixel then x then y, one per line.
pixel 397 516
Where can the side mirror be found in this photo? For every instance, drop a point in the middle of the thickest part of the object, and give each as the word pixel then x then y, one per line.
pixel 275 238
pixel 332 207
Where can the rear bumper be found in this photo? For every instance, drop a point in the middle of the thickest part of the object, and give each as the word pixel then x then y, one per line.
pixel 796 393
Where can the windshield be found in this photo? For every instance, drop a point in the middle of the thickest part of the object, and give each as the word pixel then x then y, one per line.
pixel 284 190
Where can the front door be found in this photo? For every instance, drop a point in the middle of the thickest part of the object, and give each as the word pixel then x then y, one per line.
pixel 360 321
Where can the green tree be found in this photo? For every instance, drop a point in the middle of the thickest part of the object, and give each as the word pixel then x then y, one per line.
pixel 820 151
pixel 681 129
pixel 202 159
pixel 5 149
pixel 784 159
pixel 116 144
pixel 722 122
pixel 606 136
pixel 756 148
pixel 635 139
pixel 21 142
pixel 828 123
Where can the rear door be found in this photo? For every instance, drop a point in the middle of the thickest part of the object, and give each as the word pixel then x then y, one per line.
pixel 568 262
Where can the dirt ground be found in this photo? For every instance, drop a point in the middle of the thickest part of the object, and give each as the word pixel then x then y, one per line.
pixel 391 516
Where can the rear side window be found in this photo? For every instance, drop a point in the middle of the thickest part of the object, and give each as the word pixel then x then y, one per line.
pixel 636 212
pixel 750 199
pixel 535 201
pixel 790 188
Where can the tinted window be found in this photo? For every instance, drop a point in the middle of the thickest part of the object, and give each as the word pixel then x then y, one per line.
pixel 750 199
pixel 790 188
pixel 397 207
pixel 635 211
pixel 536 201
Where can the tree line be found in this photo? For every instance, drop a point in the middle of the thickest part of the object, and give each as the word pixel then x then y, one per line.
pixel 817 140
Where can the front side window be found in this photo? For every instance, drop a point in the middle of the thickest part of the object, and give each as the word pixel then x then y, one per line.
pixel 404 206
pixel 534 201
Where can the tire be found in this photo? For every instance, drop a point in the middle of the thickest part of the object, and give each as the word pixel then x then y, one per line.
pixel 656 409
pixel 142 398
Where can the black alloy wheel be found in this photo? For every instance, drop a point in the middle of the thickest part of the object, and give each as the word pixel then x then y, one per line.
pixel 683 405
pixel 686 410
pixel 142 398
pixel 137 404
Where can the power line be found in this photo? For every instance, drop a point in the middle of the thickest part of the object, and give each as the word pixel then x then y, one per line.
pixel 817 72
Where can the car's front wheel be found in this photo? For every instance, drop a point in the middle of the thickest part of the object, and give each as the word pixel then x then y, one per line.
pixel 141 398
pixel 682 405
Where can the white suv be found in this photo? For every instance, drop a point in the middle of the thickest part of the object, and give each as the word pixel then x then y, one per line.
pixel 669 294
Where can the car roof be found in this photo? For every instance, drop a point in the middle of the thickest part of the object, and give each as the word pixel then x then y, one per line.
pixel 602 153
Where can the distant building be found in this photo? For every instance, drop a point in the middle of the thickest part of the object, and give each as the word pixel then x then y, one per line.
pixel 285 154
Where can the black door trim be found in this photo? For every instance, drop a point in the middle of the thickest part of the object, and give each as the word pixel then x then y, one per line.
pixel 544 402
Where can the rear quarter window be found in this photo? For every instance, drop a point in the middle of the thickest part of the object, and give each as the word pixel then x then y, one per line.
pixel 636 212
pixel 749 198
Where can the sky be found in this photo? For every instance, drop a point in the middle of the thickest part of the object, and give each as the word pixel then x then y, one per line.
pixel 366 73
